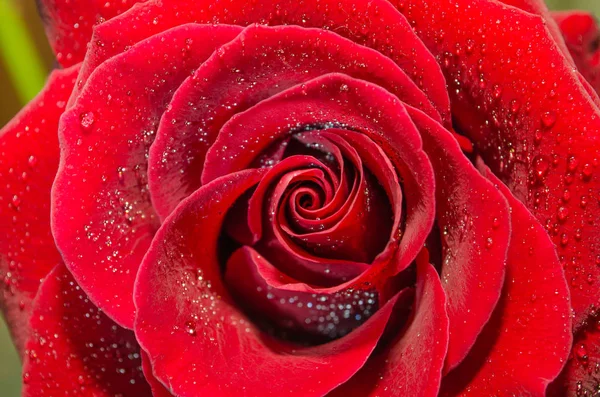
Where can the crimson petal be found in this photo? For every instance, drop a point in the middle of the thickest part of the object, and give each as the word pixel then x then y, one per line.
pixel 475 225
pixel 412 363
pixel 538 7
pixel 182 301
pixel 371 23
pixel 75 348
pixel 527 341
pixel 536 126
pixel 28 163
pixel 101 182
pixel 69 24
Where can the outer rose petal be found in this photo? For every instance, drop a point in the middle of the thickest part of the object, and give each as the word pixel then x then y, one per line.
pixel 527 341
pixel 103 220
pixel 198 341
pixel 411 365
pixel 75 349
pixel 581 33
pixel 474 220
pixel 535 125
pixel 538 7
pixel 369 23
pixel 28 162
pixel 69 24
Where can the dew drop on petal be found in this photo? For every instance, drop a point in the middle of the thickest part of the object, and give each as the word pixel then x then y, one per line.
pixel 32 161
pixel 581 352
pixel 541 166
pixel 87 120
pixel 548 119
pixel 190 327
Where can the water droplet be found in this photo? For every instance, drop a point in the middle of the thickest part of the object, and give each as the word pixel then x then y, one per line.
pixel 190 327
pixel 562 214
pixel 587 171
pixel 87 120
pixel 515 105
pixel 572 163
pixel 495 223
pixel 541 166
pixel 548 119
pixel 497 92
pixel 121 174
pixel 581 352
pixel 32 161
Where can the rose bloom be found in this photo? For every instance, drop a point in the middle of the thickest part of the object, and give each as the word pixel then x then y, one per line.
pixel 307 198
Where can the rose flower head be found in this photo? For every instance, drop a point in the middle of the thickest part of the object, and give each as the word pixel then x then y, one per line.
pixel 306 198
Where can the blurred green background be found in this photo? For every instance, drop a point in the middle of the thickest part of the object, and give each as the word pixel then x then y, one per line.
pixel 21 35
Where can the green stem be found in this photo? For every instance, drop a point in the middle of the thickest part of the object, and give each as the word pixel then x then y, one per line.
pixel 19 54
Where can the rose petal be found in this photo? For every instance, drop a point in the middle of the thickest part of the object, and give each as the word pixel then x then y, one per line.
pixel 581 33
pixel 411 365
pixel 369 23
pixel 475 225
pixel 28 162
pixel 259 63
pixel 182 301
pixel 527 341
pixel 535 125
pixel 101 182
pixel 538 7
pixel 75 348
pixel 69 24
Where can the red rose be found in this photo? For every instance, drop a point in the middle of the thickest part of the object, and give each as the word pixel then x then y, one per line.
pixel 270 198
